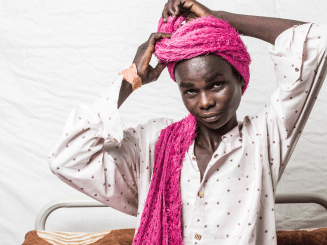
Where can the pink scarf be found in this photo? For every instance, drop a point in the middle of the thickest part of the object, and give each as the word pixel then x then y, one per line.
pixel 161 217
pixel 202 36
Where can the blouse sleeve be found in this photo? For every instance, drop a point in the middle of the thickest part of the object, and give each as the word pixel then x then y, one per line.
pixel 299 59
pixel 96 156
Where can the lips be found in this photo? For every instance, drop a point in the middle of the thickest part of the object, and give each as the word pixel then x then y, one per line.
pixel 209 115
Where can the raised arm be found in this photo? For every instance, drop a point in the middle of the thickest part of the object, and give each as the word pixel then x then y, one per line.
pixel 96 156
pixel 264 28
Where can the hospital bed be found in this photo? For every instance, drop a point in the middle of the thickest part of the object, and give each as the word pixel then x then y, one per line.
pixel 125 236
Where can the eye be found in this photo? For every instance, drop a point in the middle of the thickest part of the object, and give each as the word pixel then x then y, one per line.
pixel 217 85
pixel 190 92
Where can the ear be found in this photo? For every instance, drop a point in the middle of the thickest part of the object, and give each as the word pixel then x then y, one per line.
pixel 239 78
pixel 242 82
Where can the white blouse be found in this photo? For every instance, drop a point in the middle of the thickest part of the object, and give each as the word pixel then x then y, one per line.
pixel 234 202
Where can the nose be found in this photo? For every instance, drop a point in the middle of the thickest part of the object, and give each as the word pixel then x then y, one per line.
pixel 206 101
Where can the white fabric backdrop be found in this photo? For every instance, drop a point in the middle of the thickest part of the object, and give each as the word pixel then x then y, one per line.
pixel 55 54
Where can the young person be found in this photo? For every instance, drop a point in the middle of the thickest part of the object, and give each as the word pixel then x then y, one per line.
pixel 207 179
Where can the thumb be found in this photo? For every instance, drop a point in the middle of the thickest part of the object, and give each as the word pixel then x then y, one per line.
pixel 157 70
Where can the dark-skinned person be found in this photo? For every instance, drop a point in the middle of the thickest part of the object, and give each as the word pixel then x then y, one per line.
pixel 208 178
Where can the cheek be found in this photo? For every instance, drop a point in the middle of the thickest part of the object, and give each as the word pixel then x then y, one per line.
pixel 189 103
pixel 235 99
pixel 229 98
pixel 223 97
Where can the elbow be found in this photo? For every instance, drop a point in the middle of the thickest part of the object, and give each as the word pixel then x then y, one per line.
pixel 53 164
pixel 56 162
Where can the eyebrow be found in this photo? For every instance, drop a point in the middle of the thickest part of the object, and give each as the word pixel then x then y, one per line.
pixel 207 79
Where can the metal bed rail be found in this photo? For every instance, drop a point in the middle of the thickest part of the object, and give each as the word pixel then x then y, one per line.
pixel 75 202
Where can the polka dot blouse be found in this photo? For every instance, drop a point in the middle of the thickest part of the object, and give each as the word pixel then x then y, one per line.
pixel 234 201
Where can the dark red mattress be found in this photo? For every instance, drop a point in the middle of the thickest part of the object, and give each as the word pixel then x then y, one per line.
pixel 125 237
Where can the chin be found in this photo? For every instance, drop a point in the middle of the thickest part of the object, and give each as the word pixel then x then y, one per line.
pixel 212 125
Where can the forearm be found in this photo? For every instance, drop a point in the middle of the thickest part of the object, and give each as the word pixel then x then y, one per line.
pixel 264 28
pixel 125 91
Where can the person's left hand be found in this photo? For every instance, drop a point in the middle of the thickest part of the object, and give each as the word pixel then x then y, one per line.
pixel 143 56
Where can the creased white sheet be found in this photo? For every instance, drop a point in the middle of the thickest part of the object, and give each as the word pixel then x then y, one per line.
pixel 56 54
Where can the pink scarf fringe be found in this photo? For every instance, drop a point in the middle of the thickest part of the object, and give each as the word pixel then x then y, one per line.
pixel 161 217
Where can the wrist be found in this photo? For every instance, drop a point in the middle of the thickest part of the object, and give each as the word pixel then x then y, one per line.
pixel 131 76
pixel 220 15
pixel 235 20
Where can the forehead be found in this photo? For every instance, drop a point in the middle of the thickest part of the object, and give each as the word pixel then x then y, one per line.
pixel 200 67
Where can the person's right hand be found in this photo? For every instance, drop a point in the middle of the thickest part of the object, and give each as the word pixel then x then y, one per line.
pixel 143 56
pixel 191 8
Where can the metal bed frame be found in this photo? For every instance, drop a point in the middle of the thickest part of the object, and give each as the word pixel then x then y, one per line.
pixel 71 202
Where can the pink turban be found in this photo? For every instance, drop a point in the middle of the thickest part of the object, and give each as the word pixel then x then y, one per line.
pixel 202 36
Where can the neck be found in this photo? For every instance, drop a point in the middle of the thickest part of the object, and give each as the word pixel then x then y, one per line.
pixel 211 138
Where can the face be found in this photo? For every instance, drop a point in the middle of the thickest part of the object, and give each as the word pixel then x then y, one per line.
pixel 211 90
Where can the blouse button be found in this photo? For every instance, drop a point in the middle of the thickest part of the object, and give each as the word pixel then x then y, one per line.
pixel 200 194
pixel 193 158
pixel 197 237
pixel 216 156
pixel 240 140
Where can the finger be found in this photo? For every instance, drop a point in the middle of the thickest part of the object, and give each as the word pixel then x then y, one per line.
pixel 176 7
pixel 151 44
pixel 154 37
pixel 170 9
pixel 186 4
pixel 185 7
pixel 165 14
pixel 190 16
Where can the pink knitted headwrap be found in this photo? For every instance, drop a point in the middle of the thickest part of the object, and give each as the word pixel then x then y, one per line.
pixel 202 36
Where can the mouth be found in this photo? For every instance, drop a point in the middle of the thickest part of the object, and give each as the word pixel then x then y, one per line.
pixel 210 117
